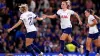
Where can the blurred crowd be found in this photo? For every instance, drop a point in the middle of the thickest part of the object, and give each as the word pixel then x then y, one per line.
pixel 49 30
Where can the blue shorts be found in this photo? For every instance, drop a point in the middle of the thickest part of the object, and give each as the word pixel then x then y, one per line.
pixel 31 34
pixel 93 36
pixel 67 30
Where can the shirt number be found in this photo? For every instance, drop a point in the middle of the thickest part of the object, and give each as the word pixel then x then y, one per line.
pixel 30 21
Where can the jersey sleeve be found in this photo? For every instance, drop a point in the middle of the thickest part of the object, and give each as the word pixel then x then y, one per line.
pixel 92 17
pixel 58 12
pixel 71 12
pixel 34 16
pixel 22 17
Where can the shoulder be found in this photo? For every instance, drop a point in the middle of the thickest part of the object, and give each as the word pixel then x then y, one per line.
pixel 70 10
pixel 91 16
pixel 22 15
pixel 59 10
pixel 31 13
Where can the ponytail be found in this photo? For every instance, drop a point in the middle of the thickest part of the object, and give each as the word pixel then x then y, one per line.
pixel 69 4
pixel 90 11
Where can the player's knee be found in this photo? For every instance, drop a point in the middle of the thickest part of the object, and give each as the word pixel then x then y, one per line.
pixel 97 44
pixel 62 38
pixel 88 45
pixel 28 42
pixel 70 39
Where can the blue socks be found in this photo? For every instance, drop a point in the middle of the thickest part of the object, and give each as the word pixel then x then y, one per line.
pixel 62 46
pixel 87 53
pixel 75 43
pixel 30 50
pixel 98 49
pixel 35 48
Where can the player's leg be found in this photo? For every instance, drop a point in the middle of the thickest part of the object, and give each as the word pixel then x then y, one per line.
pixel 33 35
pixel 28 43
pixel 88 45
pixel 98 48
pixel 37 49
pixel 63 37
pixel 97 43
pixel 62 42
pixel 72 41
pixel 75 43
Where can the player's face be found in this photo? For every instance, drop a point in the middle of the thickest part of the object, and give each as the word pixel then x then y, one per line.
pixel 87 13
pixel 63 5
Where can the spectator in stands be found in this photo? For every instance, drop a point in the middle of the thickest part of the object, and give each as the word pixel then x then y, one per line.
pixel 2 4
pixel 31 5
pixel 75 5
pixel 89 4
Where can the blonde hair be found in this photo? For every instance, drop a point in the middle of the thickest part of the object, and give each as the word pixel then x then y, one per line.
pixel 69 4
pixel 23 7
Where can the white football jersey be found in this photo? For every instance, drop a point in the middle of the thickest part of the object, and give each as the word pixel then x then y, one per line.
pixel 27 18
pixel 65 18
pixel 92 29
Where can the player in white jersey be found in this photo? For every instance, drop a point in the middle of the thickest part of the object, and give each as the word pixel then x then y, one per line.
pixel 66 25
pixel 93 31
pixel 98 26
pixel 27 18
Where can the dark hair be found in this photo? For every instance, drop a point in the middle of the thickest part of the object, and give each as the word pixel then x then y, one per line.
pixel 90 11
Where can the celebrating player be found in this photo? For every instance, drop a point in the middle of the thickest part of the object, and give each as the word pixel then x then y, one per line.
pixel 66 25
pixel 27 17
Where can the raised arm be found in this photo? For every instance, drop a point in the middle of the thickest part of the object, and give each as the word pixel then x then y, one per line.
pixel 80 22
pixel 15 26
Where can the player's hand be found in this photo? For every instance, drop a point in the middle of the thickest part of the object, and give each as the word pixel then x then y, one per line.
pixel 44 16
pixel 10 29
pixel 80 22
pixel 88 25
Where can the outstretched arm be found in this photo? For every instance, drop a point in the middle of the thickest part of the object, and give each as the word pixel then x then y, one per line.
pixel 41 18
pixel 15 26
pixel 80 22
pixel 51 16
